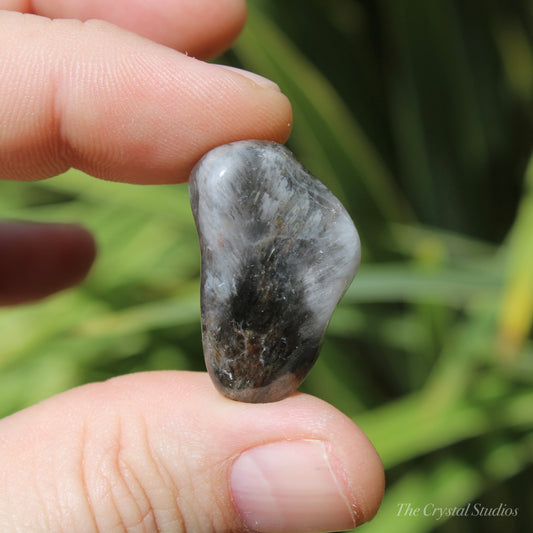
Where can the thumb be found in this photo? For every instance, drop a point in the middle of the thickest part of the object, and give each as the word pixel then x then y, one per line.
pixel 164 452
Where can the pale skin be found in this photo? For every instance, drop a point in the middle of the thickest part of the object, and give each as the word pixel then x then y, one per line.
pixel 155 451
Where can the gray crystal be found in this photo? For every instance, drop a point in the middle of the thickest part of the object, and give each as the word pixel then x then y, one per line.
pixel 278 252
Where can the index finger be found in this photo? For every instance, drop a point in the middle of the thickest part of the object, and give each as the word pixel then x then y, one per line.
pixel 118 106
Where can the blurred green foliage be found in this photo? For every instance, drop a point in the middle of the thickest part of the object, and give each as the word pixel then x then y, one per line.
pixel 418 115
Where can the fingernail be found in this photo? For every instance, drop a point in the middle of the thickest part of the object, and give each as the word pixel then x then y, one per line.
pixel 290 487
pixel 258 80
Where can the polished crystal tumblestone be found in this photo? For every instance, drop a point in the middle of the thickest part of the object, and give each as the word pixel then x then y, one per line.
pixel 278 252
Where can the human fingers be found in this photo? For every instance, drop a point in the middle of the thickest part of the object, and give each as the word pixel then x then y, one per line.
pixel 163 451
pixel 202 28
pixel 39 259
pixel 118 106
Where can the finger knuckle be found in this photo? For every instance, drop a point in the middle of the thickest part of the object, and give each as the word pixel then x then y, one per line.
pixel 125 485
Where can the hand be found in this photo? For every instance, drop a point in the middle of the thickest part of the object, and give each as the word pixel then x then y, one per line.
pixel 157 451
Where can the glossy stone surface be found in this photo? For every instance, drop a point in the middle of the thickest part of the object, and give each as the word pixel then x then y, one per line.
pixel 278 252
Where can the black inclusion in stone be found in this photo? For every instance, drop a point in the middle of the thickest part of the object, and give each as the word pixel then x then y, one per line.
pixel 261 337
